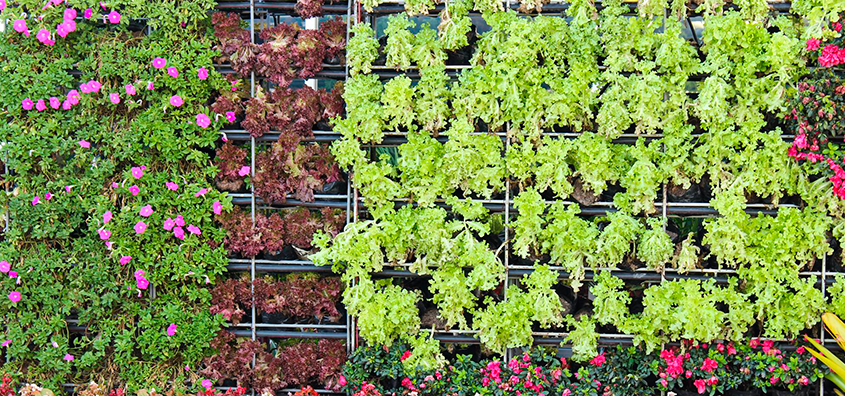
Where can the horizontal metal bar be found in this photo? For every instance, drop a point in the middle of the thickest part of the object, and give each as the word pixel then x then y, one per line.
pixel 278 268
pixel 270 5
pixel 290 334
pixel 291 326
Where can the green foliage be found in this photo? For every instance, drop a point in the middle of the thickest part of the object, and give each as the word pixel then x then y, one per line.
pixel 400 41
pixel 655 248
pixel 385 311
pixel 610 305
pixel 583 337
pixel 362 50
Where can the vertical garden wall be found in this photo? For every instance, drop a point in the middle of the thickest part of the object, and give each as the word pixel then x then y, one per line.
pixel 419 197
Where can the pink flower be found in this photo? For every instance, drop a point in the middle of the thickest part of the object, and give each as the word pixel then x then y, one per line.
pixel 2 5
pixel 137 172
pixel 176 101
pixel 88 13
pixel 66 105
pixel 206 384
pixel 139 274
pixel 773 380
pixel 140 227
pixel 146 211
pixel 803 380
pixel 107 217
pixel 55 103
pixel 699 385
pixel 134 190
pixel 243 171
pixel 94 85
pixel 84 144
pixel 114 17
pixel 201 192
pixel 142 283
pixel 202 73
pixel 194 229
pixel 598 360
pixel 5 266
pixel 13 274
pixel 172 186
pixel 130 89
pixel 68 357
pixel 180 221
pixel 342 380
pixel 36 200
pixel 150 86
pixel 179 233
pixel 104 234
pixel 69 25
pixel 125 260
pixel 48 196
pixel 69 13
pixel 230 116
pixel 67 189
pixel 73 96
pixel 169 224
pixel 566 392
pixel 813 44
pixel 15 296
pixel 61 30
pixel 158 63
pixel 43 36
pixel 709 365
pixel 27 104
pixel 20 26
pixel 172 72
pixel 217 208
pixel 6 343
pixel 171 330
pixel 800 350
pixel 203 121
pixel 40 106
pixel 114 98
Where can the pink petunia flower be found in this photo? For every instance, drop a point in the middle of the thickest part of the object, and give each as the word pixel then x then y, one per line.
pixel 201 192
pixel 13 274
pixel 66 105
pixel 243 171
pixel 67 189
pixel 2 5
pixel 194 229
pixel 36 200
pixel 140 227
pixel 61 30
pixel 137 172
pixel 27 104
pixel 107 217
pixel 40 105
pixel 5 266
pixel 19 25
pixel 73 96
pixel 88 13
pixel 217 208
pixel 69 13
pixel 173 72
pixel 69 25
pixel 6 343
pixel 171 330
pixel 169 224
pixel 68 357
pixel 125 260
pixel 142 283
pixel 43 36
pixel 158 63
pixel 206 384
pixel 84 144
pixel 130 89
pixel 114 17
pixel 150 86
pixel 104 234
pixel 180 221
pixel 202 73
pixel 55 103
pixel 134 190
pixel 15 296
pixel 95 86
pixel 230 116
pixel 114 98
pixel 179 233
pixel 203 121
pixel 48 196
pixel 172 186
pixel 176 101
pixel 146 211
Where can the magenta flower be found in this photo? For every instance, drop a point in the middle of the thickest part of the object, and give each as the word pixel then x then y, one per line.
pixel 230 116
pixel 104 234
pixel 40 106
pixel 55 103
pixel 217 208
pixel 150 86
pixel 84 144
pixel 172 72
pixel 171 330
pixel 6 343
pixel 179 233
pixel 114 185
pixel 68 357
pixel 243 171
pixel 107 217
pixel 85 88
pixel 69 13
pixel 61 30
pixel 206 384
pixel 55 344
pixel 180 221
pixel 176 101
pixel 48 196
pixel 70 25
pixel 140 227
pixel 134 190
pixel 139 274
pixel 43 36
pixel 73 96
pixel 94 85
pixel 125 260
pixel 202 73
pixel 20 26
pixel 88 13
pixel 203 121
pixel 201 192
pixel 169 224
pixel 36 200
pixel 13 274
pixel 114 17
pixel 142 283
pixel 137 172
pixel 130 89
pixel 66 105
pixel 5 266
pixel 158 63
pixel 2 5
pixel 172 186
pixel 103 5
pixel 15 296
pixel 194 229
pixel 67 189
pixel 114 98
pixel 224 138
pixel 27 104
pixel 146 211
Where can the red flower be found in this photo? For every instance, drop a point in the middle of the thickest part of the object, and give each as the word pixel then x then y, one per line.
pixel 709 365
pixel 700 385
pixel 598 360
pixel 405 355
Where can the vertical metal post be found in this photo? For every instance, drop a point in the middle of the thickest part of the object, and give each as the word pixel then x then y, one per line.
pixel 252 186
